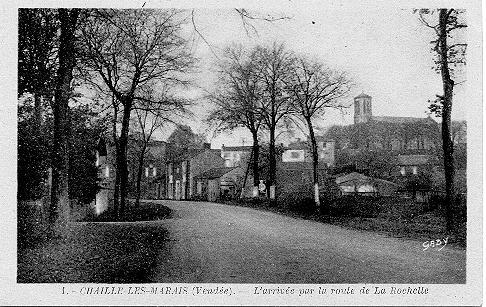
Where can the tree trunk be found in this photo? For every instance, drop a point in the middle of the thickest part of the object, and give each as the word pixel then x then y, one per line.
pixel 255 160
pixel 272 162
pixel 116 192
pixel 122 167
pixel 38 110
pixel 447 144
pixel 315 165
pixel 59 207
pixel 139 175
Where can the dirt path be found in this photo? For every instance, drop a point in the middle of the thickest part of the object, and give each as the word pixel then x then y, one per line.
pixel 214 243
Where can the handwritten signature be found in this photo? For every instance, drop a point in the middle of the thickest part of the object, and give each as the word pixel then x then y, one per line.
pixel 440 244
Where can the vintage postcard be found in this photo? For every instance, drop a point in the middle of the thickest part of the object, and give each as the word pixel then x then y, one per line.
pixel 242 153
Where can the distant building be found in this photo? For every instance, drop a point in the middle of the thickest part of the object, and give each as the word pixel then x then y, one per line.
pixel 415 164
pixel 300 151
pixel 235 155
pixel 105 162
pixel 356 183
pixel 220 183
pixel 183 166
pixel 413 144
pixel 392 132
pixel 153 180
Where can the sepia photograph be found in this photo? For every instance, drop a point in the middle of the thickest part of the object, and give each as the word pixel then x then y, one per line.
pixel 198 151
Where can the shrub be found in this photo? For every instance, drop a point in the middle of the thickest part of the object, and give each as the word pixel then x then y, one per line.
pixel 355 206
pixel 297 198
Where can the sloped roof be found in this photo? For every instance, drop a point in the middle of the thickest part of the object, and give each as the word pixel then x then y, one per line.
pixel 215 173
pixel 354 176
pixel 183 154
pixel 298 145
pixel 400 119
pixel 236 148
pixel 350 177
pixel 413 159
pixel 362 95
pixel 321 138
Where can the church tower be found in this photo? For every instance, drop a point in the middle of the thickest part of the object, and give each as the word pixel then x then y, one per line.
pixel 362 108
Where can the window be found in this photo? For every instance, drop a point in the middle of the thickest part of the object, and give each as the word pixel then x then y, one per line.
pixel 97 158
pixel 154 171
pixel 414 170
pixel 107 171
pixel 295 155
pixel 402 171
pixel 146 172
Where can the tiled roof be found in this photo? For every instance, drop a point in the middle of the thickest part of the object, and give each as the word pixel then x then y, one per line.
pixel 400 119
pixel 360 177
pixel 351 176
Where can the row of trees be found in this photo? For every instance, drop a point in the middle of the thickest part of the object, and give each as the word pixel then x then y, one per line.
pixel 268 88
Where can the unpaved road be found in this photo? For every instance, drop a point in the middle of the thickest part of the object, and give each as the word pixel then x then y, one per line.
pixel 214 243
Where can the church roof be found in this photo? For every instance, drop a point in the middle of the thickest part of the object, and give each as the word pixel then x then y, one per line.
pixel 400 119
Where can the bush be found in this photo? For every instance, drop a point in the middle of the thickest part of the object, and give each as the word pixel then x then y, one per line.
pixel 297 198
pixel 32 224
pixel 355 206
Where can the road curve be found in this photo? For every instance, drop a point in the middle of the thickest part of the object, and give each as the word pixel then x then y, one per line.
pixel 215 243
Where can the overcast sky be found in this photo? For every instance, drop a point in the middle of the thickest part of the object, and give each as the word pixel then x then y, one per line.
pixel 386 52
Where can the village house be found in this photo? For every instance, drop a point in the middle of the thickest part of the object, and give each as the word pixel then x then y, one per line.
pixel 300 151
pixel 182 165
pixel 153 181
pixel 235 155
pixel 356 183
pixel 221 183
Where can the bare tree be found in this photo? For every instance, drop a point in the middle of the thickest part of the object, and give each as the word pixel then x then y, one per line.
pixel 315 88
pixel 128 51
pixel 151 117
pixel 450 55
pixel 274 69
pixel 237 100
pixel 59 207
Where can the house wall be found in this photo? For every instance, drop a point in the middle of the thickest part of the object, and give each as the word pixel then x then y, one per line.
pixel 235 158
pixel 176 188
pixel 106 176
pixel 200 163
pixel 293 155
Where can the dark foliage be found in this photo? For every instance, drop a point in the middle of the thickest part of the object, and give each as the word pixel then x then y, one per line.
pixel 355 206
pixel 145 212
pixel 33 159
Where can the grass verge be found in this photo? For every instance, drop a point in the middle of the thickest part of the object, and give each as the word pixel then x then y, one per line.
pixel 95 253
